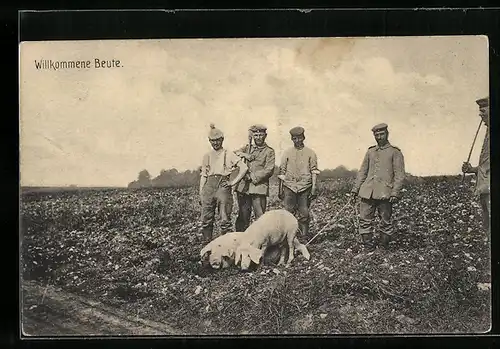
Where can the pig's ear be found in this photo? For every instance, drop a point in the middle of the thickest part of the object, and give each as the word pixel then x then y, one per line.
pixel 255 255
pixel 206 257
pixel 206 249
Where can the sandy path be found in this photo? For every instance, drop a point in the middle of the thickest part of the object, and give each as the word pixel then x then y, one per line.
pixel 50 311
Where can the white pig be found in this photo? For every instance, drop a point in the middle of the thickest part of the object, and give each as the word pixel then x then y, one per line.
pixel 221 251
pixel 275 227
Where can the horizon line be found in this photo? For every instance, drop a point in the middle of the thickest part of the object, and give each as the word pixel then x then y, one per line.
pixel 76 186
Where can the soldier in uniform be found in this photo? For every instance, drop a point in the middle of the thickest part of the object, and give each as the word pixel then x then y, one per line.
pixel 253 190
pixel 378 185
pixel 298 173
pixel 482 171
pixel 215 185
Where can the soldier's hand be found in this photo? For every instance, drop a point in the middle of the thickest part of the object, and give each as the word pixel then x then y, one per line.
pixel 393 199
pixel 313 195
pixel 281 195
pixel 233 185
pixel 253 179
pixel 466 167
pixel 246 156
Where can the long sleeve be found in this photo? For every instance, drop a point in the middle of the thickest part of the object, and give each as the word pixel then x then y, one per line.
pixel 399 173
pixel 362 173
pixel 205 166
pixel 483 168
pixel 243 153
pixel 268 170
pixel 313 163
pixel 284 163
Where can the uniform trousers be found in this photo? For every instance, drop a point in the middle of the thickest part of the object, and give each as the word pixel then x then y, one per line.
pixel 247 202
pixel 216 194
pixel 367 209
pixel 484 200
pixel 297 203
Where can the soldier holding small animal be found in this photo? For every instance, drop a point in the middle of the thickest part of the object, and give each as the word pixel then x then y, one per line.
pixel 253 190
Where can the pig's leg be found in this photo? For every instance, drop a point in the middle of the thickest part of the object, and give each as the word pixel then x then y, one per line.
pixel 291 247
pixel 282 254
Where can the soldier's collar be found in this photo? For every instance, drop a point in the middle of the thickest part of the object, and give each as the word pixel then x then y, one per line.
pixel 264 145
pixel 387 145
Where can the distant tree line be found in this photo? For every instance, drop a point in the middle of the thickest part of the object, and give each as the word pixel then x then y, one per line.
pixel 167 178
pixel 411 179
pixel 337 173
pixel 174 179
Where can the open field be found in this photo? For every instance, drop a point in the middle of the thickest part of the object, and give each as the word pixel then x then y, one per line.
pixel 137 251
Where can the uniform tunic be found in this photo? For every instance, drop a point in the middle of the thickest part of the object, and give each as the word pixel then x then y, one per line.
pixel 483 182
pixel 381 174
pixel 483 168
pixel 252 191
pixel 260 169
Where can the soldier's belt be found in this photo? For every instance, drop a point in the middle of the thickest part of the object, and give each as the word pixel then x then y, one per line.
pixel 217 176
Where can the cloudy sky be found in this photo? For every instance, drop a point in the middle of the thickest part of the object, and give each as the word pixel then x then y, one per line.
pixel 100 127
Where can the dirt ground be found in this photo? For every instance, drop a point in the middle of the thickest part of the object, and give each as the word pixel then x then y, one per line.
pixel 51 311
pixel 137 252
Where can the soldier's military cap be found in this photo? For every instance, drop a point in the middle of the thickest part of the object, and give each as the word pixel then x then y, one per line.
pixel 379 127
pixel 483 102
pixel 257 128
pixel 297 131
pixel 214 133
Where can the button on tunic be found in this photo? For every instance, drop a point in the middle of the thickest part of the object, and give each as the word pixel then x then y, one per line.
pixel 298 165
pixel 260 169
pixel 483 168
pixel 381 174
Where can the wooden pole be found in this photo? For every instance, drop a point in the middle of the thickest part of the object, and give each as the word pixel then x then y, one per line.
pixel 472 146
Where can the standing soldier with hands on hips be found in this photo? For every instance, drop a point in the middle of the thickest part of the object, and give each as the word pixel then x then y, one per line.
pixel 215 184
pixel 253 190
pixel 378 184
pixel 298 174
pixel 482 171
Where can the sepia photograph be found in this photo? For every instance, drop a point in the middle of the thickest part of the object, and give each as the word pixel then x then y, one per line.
pixel 255 186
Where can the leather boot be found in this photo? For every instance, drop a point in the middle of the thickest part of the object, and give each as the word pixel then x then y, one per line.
pixel 207 234
pixel 304 230
pixel 225 227
pixel 368 240
pixel 384 240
